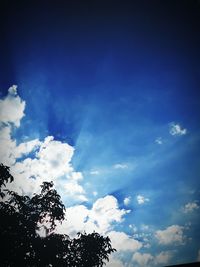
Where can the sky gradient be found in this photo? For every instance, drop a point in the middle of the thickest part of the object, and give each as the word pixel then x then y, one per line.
pixel 104 100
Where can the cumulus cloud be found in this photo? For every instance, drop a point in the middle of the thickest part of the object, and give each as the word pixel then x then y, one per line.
pixel 35 161
pixel 105 211
pixel 51 161
pixel 147 259
pixel 114 262
pixel 164 257
pixel 127 201
pixel 190 207
pixel 100 218
pixel 48 160
pixel 12 108
pixel 171 235
pixel 123 242
pixel 141 199
pixel 177 130
pixel 142 259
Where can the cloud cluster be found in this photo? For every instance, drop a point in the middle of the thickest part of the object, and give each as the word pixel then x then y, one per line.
pixel 147 260
pixel 35 161
pixel 104 212
pixel 190 207
pixel 12 108
pixel 123 242
pixel 177 130
pixel 171 235
pixel 141 199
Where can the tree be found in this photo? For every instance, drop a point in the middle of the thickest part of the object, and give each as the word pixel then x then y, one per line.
pixel 21 219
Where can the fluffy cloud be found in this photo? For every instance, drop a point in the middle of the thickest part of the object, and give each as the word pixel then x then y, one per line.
pixel 114 262
pixel 123 242
pixel 146 259
pixel 163 258
pixel 104 212
pixel 142 259
pixel 171 235
pixel 48 160
pixel 190 207
pixel 177 130
pixel 7 145
pixel 12 108
pixel 127 200
pixel 51 161
pixel 141 199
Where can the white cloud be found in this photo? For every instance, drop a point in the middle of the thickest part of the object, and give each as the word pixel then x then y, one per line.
pixel 163 258
pixel 159 141
pixel 133 227
pixel 177 130
pixel 190 207
pixel 144 227
pixel 105 211
pixel 7 146
pixel 123 242
pixel 120 166
pixel 100 218
pixel 94 172
pixel 171 235
pixel 147 259
pixel 198 257
pixel 114 262
pixel 26 147
pixel 95 193
pixel 51 162
pixel 143 259
pixel 12 108
pixel 141 199
pixel 127 201
pixel 48 160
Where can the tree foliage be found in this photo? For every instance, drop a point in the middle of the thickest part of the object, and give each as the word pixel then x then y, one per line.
pixel 22 217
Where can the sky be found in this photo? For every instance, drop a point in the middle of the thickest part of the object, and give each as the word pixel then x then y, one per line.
pixel 102 98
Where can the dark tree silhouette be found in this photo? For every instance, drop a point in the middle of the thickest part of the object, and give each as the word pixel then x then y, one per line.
pixel 21 218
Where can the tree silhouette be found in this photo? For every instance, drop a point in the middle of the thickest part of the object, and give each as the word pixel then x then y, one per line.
pixel 22 217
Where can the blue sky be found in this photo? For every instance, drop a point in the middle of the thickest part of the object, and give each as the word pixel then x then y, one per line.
pixel 117 86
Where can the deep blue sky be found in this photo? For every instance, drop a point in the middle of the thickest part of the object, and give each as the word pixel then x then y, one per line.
pixel 109 78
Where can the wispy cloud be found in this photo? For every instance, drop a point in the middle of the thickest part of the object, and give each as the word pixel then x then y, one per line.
pixel 159 140
pixel 190 207
pixel 177 130
pixel 120 166
pixel 141 199
pixel 94 172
